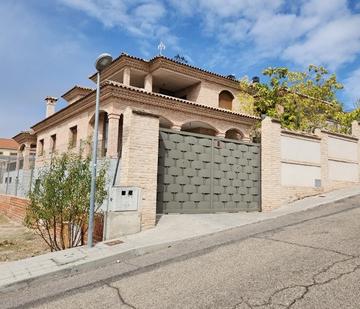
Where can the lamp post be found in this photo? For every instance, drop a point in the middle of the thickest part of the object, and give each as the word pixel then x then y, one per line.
pixel 101 63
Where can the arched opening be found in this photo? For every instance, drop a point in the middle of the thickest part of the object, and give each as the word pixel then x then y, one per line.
pixel 226 99
pixel 199 127
pixel 165 123
pixel 234 134
pixel 103 132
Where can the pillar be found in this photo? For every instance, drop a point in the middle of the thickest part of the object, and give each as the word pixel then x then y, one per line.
pixel 271 196
pixel 221 134
pixel 126 76
pixel 26 154
pixel 139 161
pixel 113 131
pixel 324 158
pixel 148 83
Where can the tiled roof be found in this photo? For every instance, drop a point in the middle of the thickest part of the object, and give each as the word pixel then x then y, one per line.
pixel 120 85
pixel 77 87
pixel 193 67
pixel 172 60
pixel 8 143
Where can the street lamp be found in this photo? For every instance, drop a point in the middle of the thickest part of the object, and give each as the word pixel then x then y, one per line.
pixel 100 64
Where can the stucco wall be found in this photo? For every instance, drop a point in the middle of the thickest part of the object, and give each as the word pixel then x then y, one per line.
pixel 308 163
pixel 343 159
pixel 300 159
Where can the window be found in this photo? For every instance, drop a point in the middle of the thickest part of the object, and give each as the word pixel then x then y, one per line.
pixel 73 136
pixel 225 99
pixel 41 147
pixel 1 153
pixel 53 143
pixel 13 153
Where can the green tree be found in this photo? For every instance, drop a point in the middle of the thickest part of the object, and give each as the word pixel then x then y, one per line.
pixel 300 100
pixel 59 201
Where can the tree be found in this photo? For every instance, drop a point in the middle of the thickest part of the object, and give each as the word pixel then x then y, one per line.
pixel 300 100
pixel 59 201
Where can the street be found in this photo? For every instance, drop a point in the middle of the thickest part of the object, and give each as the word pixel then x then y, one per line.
pixel 310 259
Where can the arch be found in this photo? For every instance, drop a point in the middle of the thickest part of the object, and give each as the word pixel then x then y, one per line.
pixel 234 134
pixel 165 123
pixel 226 99
pixel 102 131
pixel 199 127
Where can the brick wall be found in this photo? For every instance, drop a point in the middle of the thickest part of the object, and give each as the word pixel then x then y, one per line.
pixel 13 207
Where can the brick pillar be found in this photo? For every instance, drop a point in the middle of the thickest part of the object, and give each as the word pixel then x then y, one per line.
pixel 148 83
pixel 270 164
pixel 140 159
pixel 355 131
pixel 126 76
pixel 324 158
pixel 18 156
pixel 113 136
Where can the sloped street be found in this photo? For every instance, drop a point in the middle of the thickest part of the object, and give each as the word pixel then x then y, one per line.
pixel 304 260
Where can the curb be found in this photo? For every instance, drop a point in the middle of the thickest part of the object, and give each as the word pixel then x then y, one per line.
pixel 71 269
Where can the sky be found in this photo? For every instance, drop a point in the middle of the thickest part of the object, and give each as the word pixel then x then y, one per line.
pixel 48 46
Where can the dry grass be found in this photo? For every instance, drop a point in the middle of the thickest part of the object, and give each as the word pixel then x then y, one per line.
pixel 18 242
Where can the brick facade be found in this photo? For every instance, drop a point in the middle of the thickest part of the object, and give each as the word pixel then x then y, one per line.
pixel 139 160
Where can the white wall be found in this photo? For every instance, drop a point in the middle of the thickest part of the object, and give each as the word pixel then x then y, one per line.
pixel 342 149
pixel 343 171
pixel 301 159
pixel 299 149
pixel 299 175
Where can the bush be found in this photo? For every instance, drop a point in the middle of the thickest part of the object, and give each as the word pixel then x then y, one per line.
pixel 60 198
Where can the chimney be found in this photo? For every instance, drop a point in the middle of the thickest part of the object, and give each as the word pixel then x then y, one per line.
pixel 50 105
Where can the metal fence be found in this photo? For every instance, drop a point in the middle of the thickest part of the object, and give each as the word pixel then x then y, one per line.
pixel 14 179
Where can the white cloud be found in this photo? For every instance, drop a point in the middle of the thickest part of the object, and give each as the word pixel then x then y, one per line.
pixel 310 32
pixel 333 44
pixel 142 19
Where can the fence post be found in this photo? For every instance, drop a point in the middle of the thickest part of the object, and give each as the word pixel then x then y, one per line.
pixel 8 175
pixel 271 196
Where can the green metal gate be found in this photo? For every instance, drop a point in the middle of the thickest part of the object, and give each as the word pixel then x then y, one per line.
pixel 204 174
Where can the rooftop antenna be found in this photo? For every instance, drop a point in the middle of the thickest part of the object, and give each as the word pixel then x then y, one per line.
pixel 161 47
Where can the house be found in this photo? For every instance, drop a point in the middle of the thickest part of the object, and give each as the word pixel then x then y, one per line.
pixel 177 140
pixel 139 99
pixel 8 147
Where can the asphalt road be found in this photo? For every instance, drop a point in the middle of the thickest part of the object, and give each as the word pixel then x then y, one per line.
pixel 310 259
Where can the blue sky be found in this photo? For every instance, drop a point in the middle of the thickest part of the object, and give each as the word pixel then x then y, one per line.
pixel 48 46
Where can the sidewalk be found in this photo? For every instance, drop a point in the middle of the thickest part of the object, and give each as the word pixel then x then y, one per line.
pixel 170 228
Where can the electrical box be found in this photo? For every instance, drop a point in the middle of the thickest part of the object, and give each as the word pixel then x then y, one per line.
pixel 124 198
pixel 317 183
